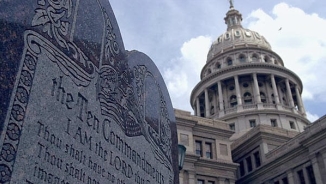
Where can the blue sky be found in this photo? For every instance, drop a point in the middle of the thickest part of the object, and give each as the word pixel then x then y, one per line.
pixel 176 35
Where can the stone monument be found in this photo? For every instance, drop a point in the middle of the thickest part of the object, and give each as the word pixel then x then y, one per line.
pixel 75 106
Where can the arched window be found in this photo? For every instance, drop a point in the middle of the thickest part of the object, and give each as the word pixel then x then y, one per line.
pixel 209 71
pixel 254 58
pixel 233 101
pixel 230 62
pixel 218 65
pixel 237 33
pixel 284 101
pixel 263 97
pixel 247 98
pixel 273 98
pixel 219 39
pixel 227 35
pixel 260 84
pixel 242 58
pixel 266 59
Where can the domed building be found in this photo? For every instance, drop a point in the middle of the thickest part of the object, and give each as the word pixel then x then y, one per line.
pixel 249 124
pixel 245 83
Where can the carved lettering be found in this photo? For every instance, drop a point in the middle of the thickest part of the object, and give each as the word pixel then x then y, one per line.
pixel 49 137
pixel 83 138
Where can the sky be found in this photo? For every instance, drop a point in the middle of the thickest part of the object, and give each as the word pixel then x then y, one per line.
pixel 176 35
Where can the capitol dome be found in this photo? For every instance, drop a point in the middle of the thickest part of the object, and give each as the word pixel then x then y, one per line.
pixel 244 82
pixel 236 36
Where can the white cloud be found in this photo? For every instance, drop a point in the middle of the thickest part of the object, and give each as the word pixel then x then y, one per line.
pixel 312 117
pixel 183 75
pixel 301 43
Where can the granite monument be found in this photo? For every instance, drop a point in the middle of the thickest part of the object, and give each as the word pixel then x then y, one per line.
pixel 76 107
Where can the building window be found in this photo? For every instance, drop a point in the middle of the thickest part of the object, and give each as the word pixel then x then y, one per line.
pixel 249 164
pixel 311 175
pixel 232 126
pixel 272 95
pixel 276 182
pixel 229 61
pixel 233 101
pixel 242 170
pixel 227 36
pixel 266 59
pixel 219 39
pixel 237 33
pixel 200 182
pixel 273 123
pixel 257 159
pixel 242 58
pixel 301 177
pixel 210 182
pixel 252 123
pixel 292 125
pixel 209 71
pixel 247 98
pixel 285 180
pixel 262 97
pixel 208 150
pixel 198 148
pixel 218 65
pixel 254 58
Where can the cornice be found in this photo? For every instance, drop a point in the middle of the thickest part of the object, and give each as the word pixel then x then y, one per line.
pixel 264 111
pixel 213 130
pixel 216 164
pixel 274 165
pixel 251 67
pixel 264 132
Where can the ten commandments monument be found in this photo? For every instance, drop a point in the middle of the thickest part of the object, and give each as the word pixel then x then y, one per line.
pixel 75 106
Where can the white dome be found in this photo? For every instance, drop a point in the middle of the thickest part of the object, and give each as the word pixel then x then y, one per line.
pixel 235 38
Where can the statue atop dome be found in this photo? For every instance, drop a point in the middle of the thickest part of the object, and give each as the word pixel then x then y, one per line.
pixel 231 4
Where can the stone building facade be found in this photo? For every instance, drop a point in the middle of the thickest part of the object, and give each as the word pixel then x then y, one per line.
pixel 250 123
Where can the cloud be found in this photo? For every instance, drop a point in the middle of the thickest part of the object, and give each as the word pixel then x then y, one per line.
pixel 301 43
pixel 183 75
pixel 312 117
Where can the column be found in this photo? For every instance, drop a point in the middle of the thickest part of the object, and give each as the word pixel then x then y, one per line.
pixel 207 106
pixel 276 98
pixel 317 173
pixel 280 95
pixel 232 181
pixel 220 98
pixel 226 98
pixel 221 181
pixel 197 107
pixel 305 174
pixel 289 93
pixel 273 60
pixel 290 177
pixel 215 103
pixel 237 88
pixel 256 89
pixel 299 99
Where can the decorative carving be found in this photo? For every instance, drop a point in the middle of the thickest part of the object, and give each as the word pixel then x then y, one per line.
pixel 52 17
pixel 121 90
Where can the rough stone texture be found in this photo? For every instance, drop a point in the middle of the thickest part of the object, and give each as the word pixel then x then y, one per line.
pixel 75 106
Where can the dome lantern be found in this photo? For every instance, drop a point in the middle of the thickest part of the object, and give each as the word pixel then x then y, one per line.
pixel 233 18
